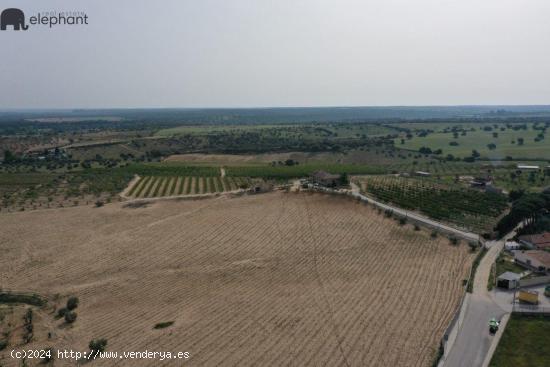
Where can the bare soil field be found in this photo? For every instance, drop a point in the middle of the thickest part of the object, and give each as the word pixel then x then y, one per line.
pixel 266 280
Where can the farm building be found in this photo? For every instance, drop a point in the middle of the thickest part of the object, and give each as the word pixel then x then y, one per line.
pixel 325 178
pixel 527 167
pixel 536 241
pixel 422 173
pixel 481 181
pixel 512 245
pixel 536 260
pixel 508 280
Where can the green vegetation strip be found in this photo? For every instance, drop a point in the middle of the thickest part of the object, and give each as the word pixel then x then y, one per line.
pixel 525 342
pixel 165 169
pixel 301 170
pixel 29 299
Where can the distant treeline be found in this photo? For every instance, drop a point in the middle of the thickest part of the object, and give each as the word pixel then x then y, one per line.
pixel 161 118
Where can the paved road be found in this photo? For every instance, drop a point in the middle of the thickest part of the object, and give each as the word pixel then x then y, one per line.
pixel 432 223
pixel 473 342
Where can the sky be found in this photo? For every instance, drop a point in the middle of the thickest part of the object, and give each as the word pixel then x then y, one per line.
pixel 260 53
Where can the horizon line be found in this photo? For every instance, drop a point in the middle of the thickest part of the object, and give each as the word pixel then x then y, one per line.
pixel 17 109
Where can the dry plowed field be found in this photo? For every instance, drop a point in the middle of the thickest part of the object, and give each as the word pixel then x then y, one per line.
pixel 268 280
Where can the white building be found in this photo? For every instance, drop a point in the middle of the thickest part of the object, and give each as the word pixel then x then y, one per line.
pixel 512 245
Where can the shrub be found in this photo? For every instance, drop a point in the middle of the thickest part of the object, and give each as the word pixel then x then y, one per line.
pixel 162 325
pixel 416 227
pixel 48 355
pixel 99 204
pixel 402 221
pixel 473 246
pixel 70 317
pixel 433 234
pixel 72 303
pixel 61 312
pixel 388 213
pixel 98 345
pixel 3 344
pixel 453 240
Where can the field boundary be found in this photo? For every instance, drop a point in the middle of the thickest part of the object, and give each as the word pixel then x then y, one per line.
pixel 183 197
pixel 129 187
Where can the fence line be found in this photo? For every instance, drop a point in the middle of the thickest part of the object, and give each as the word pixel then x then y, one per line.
pixel 534 281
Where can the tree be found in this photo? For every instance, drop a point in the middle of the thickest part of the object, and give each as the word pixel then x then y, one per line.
pixel 520 141
pixel 344 179
pixel 9 157
pixel 70 317
pixel 515 194
pixel 97 346
pixel 61 312
pixel 72 303
pixel 425 150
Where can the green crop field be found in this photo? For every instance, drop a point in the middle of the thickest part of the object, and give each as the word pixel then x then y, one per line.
pixel 506 143
pixel 165 186
pixel 525 343
pixel 172 169
pixel 467 208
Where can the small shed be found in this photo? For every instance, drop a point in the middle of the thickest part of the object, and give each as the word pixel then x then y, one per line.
pixel 508 280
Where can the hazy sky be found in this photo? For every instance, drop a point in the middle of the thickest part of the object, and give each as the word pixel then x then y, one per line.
pixel 249 53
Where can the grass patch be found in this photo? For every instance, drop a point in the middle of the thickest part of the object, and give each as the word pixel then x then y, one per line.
pixel 525 343
pixel 506 143
pixel 163 325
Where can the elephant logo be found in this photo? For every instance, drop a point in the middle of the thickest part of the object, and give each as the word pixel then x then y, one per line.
pixel 13 17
